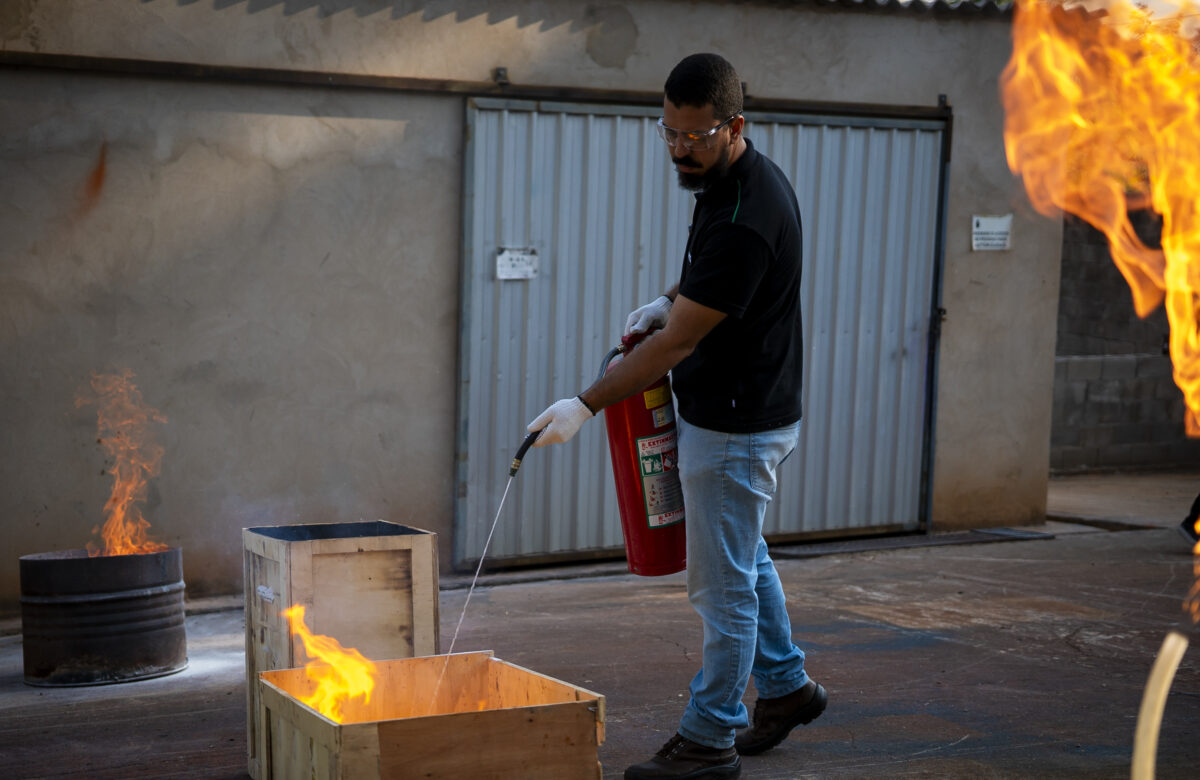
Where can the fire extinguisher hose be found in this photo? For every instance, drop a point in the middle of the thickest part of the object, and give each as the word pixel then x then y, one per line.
pixel 531 438
pixel 525 445
pixel 612 353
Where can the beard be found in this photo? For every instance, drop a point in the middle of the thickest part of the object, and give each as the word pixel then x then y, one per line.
pixel 695 182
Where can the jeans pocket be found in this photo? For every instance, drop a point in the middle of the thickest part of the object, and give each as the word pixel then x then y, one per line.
pixel 762 465
pixel 768 450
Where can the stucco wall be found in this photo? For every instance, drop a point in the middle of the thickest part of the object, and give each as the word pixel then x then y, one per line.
pixel 279 265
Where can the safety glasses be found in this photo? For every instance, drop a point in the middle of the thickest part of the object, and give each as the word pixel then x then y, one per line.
pixel 692 140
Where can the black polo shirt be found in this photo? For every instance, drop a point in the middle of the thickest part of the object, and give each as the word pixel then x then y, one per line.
pixel 743 258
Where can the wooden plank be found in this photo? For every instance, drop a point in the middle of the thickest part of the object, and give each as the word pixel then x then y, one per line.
pixel 359 757
pixel 365 600
pixel 252 762
pixel 394 695
pixel 292 682
pixel 515 687
pixel 525 686
pixel 299 577
pixel 401 691
pixel 466 688
pixel 555 742
pixel 266 637
pixel 404 688
pixel 294 740
pixel 371 543
pixel 519 685
pixel 353 544
pixel 261 545
pixel 407 687
pixel 303 743
pixel 426 630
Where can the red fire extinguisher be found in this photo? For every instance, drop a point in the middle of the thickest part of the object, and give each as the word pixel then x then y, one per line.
pixel 644 448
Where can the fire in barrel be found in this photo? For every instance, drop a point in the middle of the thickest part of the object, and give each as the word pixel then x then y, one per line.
pixel 113 612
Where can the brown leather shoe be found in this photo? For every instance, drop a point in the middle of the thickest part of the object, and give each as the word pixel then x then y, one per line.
pixel 682 759
pixel 774 718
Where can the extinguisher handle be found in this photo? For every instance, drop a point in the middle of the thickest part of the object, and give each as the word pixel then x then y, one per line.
pixel 631 340
pixel 525 445
pixel 628 342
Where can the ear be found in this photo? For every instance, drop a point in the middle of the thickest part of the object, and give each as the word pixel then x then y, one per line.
pixel 736 126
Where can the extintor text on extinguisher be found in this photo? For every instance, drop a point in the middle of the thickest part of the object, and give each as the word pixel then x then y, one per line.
pixel 659 456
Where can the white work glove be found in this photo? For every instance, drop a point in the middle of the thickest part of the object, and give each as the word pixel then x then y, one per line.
pixel 560 421
pixel 652 315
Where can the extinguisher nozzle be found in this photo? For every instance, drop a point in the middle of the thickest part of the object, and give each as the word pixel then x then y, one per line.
pixel 525 445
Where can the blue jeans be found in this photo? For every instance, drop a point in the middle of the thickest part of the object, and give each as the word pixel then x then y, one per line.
pixel 728 479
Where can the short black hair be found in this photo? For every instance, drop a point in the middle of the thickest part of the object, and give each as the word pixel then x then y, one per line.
pixel 706 79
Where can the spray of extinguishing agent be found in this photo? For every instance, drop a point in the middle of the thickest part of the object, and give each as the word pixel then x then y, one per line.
pixel 643 447
pixel 512 472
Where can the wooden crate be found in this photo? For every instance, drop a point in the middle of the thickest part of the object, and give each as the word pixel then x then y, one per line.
pixel 372 586
pixel 490 720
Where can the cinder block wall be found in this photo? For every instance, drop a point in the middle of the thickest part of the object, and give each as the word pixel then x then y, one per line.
pixel 1115 403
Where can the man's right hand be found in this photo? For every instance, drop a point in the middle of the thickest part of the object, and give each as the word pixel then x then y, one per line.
pixel 652 315
pixel 560 421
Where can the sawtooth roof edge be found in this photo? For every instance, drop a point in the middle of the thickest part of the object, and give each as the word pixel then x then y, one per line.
pixel 963 7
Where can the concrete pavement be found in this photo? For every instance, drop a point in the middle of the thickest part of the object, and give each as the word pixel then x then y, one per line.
pixel 1022 657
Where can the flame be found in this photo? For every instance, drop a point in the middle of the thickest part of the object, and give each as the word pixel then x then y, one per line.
pixel 123 428
pixel 1103 117
pixel 340 673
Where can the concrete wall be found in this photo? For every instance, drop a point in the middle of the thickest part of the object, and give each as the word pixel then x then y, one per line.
pixel 252 255
pixel 279 265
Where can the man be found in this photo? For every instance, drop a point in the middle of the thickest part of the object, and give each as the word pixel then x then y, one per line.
pixel 731 335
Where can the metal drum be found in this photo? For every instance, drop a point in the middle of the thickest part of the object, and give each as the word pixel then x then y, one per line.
pixel 104 619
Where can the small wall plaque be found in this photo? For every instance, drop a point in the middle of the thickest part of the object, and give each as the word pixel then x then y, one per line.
pixel 516 264
pixel 991 233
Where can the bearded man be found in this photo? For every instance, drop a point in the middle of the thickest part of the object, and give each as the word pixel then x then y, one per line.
pixel 730 333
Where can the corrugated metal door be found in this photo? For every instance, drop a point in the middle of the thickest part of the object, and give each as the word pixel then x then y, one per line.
pixel 584 198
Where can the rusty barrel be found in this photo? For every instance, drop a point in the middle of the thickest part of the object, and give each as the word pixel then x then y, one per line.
pixel 104 619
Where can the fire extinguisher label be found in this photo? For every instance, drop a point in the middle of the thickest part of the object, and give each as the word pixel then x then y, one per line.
pixel 657 396
pixel 659 456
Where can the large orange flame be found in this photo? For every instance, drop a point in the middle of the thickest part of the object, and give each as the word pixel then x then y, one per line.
pixel 340 673
pixel 1103 117
pixel 123 428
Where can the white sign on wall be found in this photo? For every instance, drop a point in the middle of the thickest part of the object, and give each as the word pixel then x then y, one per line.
pixel 516 263
pixel 991 233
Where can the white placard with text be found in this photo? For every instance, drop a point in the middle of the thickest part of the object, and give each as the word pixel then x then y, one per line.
pixel 991 233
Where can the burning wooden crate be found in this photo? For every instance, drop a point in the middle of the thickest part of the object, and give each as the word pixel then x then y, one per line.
pixel 374 585
pixel 463 715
